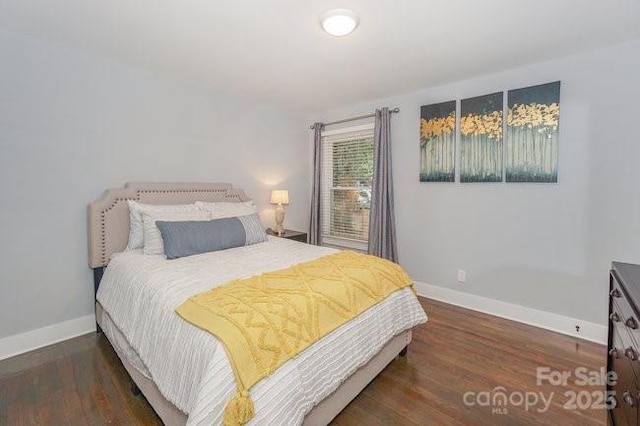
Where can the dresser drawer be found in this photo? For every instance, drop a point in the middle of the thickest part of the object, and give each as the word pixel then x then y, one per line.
pixel 627 315
pixel 623 347
pixel 624 389
pixel 624 318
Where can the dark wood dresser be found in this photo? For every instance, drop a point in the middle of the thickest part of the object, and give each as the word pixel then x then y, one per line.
pixel 624 342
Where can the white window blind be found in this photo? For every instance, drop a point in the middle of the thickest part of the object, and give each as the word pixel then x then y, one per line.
pixel 347 174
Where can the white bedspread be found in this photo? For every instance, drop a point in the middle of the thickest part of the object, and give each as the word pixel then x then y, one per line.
pixel 190 366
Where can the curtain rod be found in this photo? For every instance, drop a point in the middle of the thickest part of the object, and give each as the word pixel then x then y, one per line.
pixel 360 117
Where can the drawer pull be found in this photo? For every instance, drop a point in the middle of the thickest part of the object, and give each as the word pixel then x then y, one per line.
pixel 615 293
pixel 614 317
pixel 631 354
pixel 614 353
pixel 631 323
pixel 613 401
pixel 629 399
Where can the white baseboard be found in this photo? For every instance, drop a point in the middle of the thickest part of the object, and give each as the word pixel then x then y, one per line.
pixel 547 320
pixel 25 342
pixel 45 336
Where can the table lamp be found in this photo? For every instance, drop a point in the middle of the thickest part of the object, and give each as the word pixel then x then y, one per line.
pixel 279 197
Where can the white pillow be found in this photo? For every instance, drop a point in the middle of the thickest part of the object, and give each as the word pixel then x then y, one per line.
pixel 152 237
pixel 224 209
pixel 136 230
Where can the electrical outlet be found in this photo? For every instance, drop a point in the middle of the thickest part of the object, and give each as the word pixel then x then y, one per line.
pixel 462 276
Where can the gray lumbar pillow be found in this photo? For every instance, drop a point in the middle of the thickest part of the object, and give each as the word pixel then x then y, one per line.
pixel 194 237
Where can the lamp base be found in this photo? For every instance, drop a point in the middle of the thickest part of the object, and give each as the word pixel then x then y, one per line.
pixel 279 231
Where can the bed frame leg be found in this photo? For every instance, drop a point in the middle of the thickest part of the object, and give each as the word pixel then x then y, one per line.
pixel 404 351
pixel 135 390
pixel 97 277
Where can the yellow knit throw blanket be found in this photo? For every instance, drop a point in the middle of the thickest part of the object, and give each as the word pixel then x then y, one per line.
pixel 265 320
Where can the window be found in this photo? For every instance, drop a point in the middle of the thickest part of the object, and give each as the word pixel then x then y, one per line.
pixel 347 175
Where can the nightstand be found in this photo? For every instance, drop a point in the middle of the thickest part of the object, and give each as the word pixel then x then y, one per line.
pixel 290 235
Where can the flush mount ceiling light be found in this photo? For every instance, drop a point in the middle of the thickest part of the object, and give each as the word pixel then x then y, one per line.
pixel 339 22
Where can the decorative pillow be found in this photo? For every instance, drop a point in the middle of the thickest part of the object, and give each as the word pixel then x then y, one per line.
pixel 224 209
pixel 153 239
pixel 188 238
pixel 136 210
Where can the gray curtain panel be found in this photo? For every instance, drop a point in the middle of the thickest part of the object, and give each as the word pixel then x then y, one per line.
pixel 315 230
pixel 382 223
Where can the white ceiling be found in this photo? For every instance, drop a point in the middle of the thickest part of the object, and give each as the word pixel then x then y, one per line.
pixel 275 49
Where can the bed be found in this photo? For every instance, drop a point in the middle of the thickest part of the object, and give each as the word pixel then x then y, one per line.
pixel 182 370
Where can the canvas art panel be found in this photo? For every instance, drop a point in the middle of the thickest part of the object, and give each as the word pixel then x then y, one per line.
pixel 481 138
pixel 437 142
pixel 532 133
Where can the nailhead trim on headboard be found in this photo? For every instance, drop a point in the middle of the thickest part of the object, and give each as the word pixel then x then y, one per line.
pixel 103 229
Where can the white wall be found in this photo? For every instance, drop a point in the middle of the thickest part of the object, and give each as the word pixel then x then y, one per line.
pixel 543 246
pixel 73 125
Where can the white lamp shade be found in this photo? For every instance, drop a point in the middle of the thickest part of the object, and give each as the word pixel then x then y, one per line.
pixel 339 22
pixel 279 196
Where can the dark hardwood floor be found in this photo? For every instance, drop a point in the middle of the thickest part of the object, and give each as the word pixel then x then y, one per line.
pixel 458 352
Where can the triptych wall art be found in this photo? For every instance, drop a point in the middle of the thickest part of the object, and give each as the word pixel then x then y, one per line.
pixel 527 152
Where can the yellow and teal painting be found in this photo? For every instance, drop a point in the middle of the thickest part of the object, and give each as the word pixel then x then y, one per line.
pixel 532 133
pixel 481 138
pixel 438 142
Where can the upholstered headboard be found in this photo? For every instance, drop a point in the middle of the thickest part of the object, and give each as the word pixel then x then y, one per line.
pixel 109 216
